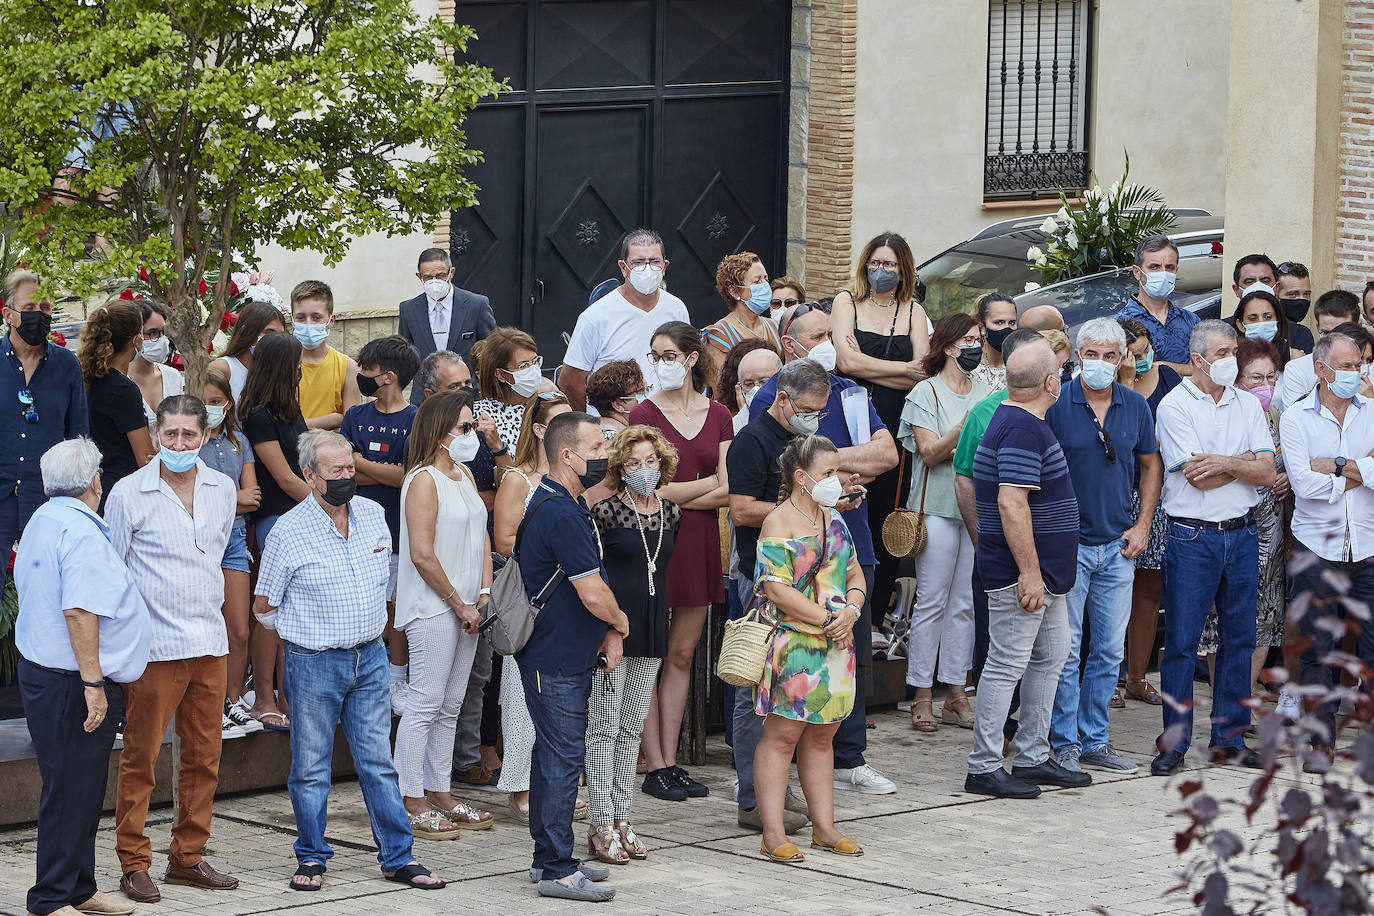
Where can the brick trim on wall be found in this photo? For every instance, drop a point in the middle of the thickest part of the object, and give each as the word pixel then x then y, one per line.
pixel 1355 207
pixel 830 145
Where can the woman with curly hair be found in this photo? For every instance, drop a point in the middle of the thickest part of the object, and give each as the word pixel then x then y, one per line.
pixel 109 340
pixel 638 529
pixel 614 390
pixel 742 282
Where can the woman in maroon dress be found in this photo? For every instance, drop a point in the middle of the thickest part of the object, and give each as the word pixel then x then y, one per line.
pixel 700 429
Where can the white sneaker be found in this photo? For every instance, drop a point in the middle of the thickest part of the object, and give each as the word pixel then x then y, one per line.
pixel 229 729
pixel 398 697
pixel 864 779
pixel 240 716
pixel 1289 707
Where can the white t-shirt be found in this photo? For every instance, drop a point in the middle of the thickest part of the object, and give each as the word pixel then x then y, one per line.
pixel 613 328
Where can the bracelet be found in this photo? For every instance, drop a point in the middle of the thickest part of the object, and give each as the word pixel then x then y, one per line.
pixel 93 684
pixel 448 596
pixel 485 591
pixel 503 450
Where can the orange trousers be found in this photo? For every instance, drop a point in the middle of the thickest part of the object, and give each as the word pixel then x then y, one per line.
pixel 193 690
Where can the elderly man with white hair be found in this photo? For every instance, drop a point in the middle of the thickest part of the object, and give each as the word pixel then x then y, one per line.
pixel 83 630
pixel 1107 434
pixel 322 585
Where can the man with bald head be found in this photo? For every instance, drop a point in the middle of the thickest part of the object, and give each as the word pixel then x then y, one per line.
pixel 1041 318
pixel 1027 511
pixel 755 368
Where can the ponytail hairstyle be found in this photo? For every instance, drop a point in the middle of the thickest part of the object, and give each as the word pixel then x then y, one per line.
pixel 688 339
pixel 798 455
pixel 538 409
pixel 107 332
pixel 984 305
pixel 230 424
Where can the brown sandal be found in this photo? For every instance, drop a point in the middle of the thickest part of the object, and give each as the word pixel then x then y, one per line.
pixel 924 723
pixel 1143 691
pixel 1118 701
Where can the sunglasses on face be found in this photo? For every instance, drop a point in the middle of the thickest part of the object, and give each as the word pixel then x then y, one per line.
pixel 29 412
pixel 783 303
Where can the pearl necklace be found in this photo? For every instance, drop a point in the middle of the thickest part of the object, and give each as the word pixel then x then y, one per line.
pixel 650 560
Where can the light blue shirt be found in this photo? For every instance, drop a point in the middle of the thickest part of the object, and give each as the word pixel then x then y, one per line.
pixel 65 560
pixel 330 591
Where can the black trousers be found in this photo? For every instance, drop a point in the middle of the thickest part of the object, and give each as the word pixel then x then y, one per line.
pixel 73 765
pixel 1331 587
pixel 851 738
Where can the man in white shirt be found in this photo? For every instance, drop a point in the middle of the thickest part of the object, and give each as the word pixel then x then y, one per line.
pixel 1334 308
pixel 1217 450
pixel 170 522
pixel 1328 438
pixel 621 323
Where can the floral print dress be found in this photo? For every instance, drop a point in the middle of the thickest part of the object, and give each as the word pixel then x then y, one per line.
pixel 806 677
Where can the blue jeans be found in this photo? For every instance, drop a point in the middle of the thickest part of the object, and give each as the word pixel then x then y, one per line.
pixel 349 687
pixel 1202 567
pixel 1102 592
pixel 558 708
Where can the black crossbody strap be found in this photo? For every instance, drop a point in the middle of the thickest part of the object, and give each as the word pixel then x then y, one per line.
pixel 542 596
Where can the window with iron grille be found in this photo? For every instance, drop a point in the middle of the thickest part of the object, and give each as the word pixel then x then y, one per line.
pixel 1038 67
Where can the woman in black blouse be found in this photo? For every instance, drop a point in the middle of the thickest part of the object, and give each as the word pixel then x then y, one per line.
pixel 637 530
pixel 119 428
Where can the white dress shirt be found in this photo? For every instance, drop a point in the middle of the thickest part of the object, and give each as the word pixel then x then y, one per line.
pixel 174 558
pixel 440 314
pixel 1189 422
pixel 1299 378
pixel 1333 522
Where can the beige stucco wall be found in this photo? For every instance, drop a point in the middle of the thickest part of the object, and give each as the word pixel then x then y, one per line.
pixel 919 133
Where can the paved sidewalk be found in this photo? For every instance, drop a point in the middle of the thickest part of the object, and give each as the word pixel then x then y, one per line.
pixel 930 848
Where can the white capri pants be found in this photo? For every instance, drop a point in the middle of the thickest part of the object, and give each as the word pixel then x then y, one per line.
pixel 440 661
pixel 942 620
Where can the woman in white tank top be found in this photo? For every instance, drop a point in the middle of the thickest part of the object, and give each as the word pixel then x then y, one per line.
pixel 443 577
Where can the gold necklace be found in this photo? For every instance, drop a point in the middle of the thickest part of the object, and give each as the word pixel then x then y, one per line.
pixel 815 525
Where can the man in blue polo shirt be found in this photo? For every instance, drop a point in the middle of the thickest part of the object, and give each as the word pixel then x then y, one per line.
pixel 580 620
pixel 867 449
pixel 1156 269
pixel 1106 432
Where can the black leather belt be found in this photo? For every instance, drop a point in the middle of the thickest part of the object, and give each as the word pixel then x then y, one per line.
pixel 1230 524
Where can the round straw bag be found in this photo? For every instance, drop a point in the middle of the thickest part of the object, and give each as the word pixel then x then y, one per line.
pixel 904 531
pixel 744 650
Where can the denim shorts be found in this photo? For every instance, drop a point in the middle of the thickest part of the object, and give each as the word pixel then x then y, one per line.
pixel 236 552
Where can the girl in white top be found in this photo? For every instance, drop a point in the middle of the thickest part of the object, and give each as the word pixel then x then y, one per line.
pixel 254 320
pixel 149 369
pixel 443 580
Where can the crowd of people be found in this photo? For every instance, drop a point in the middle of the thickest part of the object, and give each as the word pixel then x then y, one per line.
pixel 302 545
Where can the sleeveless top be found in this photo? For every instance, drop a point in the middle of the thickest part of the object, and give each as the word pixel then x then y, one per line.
pixel 459 529
pixel 238 376
pixel 172 383
pixel 322 385
pixel 886 401
pixel 724 334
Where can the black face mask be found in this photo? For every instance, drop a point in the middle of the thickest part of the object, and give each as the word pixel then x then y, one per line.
pixel 34 326
pixel 594 474
pixel 367 387
pixel 1295 309
pixel 970 357
pixel 998 337
pixel 339 491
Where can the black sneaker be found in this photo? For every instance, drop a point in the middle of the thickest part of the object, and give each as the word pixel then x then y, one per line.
pixel 694 789
pixel 1050 773
pixel 660 784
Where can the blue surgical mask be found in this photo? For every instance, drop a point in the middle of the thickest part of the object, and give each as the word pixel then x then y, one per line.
pixel 180 462
pixel 760 298
pixel 1159 284
pixel 1144 365
pixel 1262 330
pixel 1346 384
pixel 311 335
pixel 1097 374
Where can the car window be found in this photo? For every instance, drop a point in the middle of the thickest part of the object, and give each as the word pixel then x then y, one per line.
pixel 956 279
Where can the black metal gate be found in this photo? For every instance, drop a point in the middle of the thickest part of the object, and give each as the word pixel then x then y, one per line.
pixel 670 114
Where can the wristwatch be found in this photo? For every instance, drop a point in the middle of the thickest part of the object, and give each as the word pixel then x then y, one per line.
pixel 1340 466
pixel 503 450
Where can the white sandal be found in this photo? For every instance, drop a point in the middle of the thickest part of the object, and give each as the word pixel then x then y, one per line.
pixel 432 825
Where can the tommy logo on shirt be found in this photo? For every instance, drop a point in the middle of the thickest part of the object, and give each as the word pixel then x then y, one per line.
pixel 380 448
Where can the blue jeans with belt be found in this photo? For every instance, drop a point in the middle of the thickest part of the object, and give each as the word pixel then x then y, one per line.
pixel 1203 567
pixel 558 708
pixel 348 687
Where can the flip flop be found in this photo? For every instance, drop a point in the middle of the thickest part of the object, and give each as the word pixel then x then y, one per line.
pixel 285 725
pixel 407 874
pixel 308 870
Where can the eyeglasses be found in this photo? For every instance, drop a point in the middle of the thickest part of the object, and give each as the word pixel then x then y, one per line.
pixel 1293 268
pixel 1254 378
pixel 647 262
pixel 634 464
pixel 885 265
pixel 550 395
pixel 536 362
pixel 747 387
pixel 153 334
pixel 783 303
pixel 672 356
pixel 30 413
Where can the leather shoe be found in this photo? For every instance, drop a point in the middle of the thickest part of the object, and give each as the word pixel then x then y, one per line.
pixel 792 821
pixel 1050 773
pixel 200 875
pixel 139 886
pixel 1237 756
pixel 1167 763
pixel 105 904
pixel 1000 784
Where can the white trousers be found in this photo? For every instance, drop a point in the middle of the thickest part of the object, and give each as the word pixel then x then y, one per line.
pixel 942 620
pixel 440 661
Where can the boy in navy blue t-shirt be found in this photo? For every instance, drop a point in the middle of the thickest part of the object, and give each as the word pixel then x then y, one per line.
pixel 380 433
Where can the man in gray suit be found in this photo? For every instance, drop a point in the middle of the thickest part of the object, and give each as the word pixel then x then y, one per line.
pixel 443 317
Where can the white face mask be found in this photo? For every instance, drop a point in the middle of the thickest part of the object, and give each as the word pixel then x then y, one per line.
pixel 526 381
pixel 436 289
pixel 155 351
pixel 1223 372
pixel 463 448
pixel 214 414
pixel 646 278
pixel 826 492
pixel 671 376
pixel 823 353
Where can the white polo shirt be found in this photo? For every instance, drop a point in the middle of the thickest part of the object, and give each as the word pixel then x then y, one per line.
pixel 1189 422
pixel 1326 514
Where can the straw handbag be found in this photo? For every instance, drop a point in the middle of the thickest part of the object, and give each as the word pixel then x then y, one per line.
pixel 744 648
pixel 904 531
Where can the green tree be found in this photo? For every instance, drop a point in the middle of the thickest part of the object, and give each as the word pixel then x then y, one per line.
pixel 177 135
